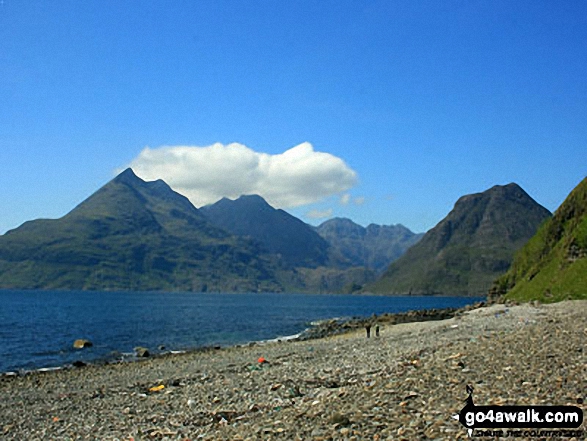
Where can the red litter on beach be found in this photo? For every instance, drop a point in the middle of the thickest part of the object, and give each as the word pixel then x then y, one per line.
pixel 262 360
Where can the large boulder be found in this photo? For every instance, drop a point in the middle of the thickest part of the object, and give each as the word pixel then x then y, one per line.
pixel 81 343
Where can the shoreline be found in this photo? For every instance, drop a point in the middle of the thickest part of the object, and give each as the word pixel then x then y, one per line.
pixel 318 329
pixel 405 384
pixel 29 351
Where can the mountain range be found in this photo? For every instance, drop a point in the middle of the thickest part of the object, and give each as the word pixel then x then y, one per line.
pixel 467 250
pixel 374 247
pixel 137 235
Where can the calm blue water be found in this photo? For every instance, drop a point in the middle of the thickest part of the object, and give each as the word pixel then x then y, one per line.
pixel 37 328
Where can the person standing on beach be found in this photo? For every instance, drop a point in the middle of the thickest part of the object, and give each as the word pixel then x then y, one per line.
pixel 368 329
pixel 377 330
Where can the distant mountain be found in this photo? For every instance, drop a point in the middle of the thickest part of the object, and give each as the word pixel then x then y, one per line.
pixel 136 235
pixel 469 248
pixel 374 247
pixel 552 266
pixel 277 231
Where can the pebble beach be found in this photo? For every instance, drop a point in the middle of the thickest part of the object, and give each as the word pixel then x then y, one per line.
pixel 404 384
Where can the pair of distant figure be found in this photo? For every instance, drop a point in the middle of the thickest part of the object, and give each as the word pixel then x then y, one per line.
pixel 368 329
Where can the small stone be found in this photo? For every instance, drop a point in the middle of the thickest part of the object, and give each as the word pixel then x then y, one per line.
pixel 339 419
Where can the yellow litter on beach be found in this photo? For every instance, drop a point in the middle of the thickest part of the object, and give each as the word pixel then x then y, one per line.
pixel 157 388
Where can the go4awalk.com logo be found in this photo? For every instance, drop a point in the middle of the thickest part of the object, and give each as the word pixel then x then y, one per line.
pixel 520 420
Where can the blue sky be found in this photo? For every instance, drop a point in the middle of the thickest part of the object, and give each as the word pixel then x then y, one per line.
pixel 408 104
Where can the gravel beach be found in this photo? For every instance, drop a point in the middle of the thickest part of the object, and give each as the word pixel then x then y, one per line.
pixel 403 385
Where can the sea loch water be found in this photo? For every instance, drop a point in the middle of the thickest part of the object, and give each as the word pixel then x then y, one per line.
pixel 38 328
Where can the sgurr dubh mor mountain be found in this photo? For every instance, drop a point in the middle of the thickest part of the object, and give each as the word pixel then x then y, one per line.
pixel 466 251
pixel 132 235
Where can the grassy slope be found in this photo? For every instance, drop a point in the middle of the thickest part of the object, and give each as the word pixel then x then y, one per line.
pixel 552 266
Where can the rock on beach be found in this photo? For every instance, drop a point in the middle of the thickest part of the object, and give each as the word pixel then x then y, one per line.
pixel 404 385
pixel 140 351
pixel 81 343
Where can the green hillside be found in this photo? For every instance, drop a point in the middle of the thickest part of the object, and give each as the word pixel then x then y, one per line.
pixel 552 266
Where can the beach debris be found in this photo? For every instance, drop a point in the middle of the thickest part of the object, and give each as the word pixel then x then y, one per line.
pixel 293 389
pixel 410 395
pixel 141 351
pixel 339 419
pixel 78 364
pixel 224 416
pixel 457 355
pixel 157 388
pixel 156 432
pixel 81 343
pixel 261 360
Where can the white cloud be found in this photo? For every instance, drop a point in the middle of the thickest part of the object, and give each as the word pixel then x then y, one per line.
pixel 317 214
pixel 346 199
pixel 360 200
pixel 296 177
